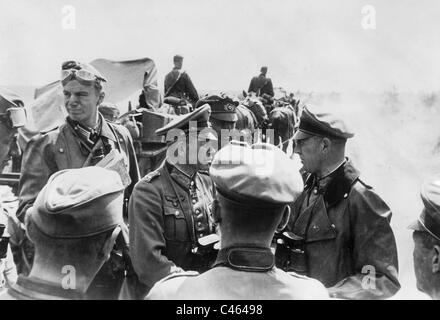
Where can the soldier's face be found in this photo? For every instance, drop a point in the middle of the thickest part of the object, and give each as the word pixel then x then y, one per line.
pixel 81 101
pixel 423 264
pixel 178 64
pixel 218 125
pixel 309 151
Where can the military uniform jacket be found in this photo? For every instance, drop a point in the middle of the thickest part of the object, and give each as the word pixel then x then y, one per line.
pixel 182 88
pixel 162 228
pixel 29 288
pixel 240 272
pixel 261 85
pixel 60 149
pixel 349 244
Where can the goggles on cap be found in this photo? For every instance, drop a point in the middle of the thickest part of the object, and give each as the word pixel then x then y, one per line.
pixel 14 117
pixel 73 69
pixel 80 74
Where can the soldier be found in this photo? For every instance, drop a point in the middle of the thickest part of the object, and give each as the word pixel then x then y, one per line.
pixel 11 118
pixel 427 240
pixel 223 115
pixel 83 140
pixel 178 84
pixel 261 85
pixel 74 223
pixel 109 111
pixel 254 187
pixel 170 210
pixel 339 231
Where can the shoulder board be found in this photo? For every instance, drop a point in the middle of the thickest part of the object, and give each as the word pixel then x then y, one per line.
pixel 175 275
pixel 150 176
pixel 364 184
pixel 53 129
pixel 299 276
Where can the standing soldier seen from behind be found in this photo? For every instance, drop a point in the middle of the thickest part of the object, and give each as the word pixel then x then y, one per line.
pixel 339 231
pixel 171 226
pixel 83 140
pixel 178 84
pixel 261 85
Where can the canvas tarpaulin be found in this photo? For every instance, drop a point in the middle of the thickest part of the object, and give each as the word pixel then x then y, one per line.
pixel 125 81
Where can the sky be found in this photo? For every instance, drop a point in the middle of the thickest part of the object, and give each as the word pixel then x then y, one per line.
pixel 315 45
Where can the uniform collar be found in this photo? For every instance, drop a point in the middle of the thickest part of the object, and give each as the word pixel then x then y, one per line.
pixel 247 258
pixel 106 131
pixel 338 183
pixel 35 288
pixel 183 174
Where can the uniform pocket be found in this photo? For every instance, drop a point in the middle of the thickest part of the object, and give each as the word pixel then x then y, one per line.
pixel 175 225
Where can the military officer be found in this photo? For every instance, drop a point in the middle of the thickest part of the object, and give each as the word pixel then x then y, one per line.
pixel 261 85
pixel 223 115
pixel 178 84
pixel 74 223
pixel 254 187
pixel 83 140
pixel 170 209
pixel 339 231
pixel 427 239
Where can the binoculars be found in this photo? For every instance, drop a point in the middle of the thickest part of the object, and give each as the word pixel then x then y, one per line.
pixel 290 254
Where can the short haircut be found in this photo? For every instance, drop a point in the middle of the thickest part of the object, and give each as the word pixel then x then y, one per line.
pixel 247 218
pixel 75 246
pixel 428 241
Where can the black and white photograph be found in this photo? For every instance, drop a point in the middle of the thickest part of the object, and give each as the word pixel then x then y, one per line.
pixel 202 151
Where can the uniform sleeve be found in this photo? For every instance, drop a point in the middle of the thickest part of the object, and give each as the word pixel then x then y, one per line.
pixel 192 92
pixel 374 250
pixel 37 165
pixel 167 83
pixel 147 242
pixel 252 85
pixel 135 175
pixel 270 88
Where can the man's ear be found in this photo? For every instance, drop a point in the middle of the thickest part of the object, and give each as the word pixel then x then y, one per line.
pixel 101 97
pixel 326 144
pixel 284 219
pixel 109 244
pixel 436 259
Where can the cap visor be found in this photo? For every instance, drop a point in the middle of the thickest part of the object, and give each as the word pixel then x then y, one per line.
pixel 301 135
pixel 231 117
pixel 417 226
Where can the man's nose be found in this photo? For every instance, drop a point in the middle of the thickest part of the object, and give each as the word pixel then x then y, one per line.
pixel 73 99
pixel 297 148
